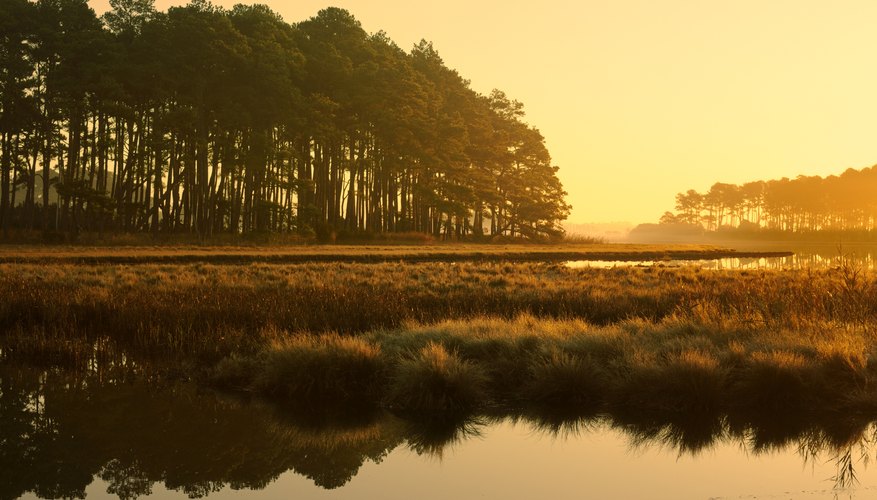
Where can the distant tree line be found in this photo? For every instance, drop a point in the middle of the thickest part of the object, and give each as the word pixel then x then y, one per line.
pixel 847 202
pixel 204 120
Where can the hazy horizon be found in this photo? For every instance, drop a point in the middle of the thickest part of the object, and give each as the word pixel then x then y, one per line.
pixel 641 100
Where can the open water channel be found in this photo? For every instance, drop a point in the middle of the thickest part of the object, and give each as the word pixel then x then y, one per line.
pixel 812 256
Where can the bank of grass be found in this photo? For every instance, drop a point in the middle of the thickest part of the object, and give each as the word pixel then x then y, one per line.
pixel 314 370
pixel 672 370
pixel 203 309
pixel 575 250
pixel 434 380
pixel 460 338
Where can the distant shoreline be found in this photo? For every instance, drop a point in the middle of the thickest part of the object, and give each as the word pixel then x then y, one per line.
pixel 370 253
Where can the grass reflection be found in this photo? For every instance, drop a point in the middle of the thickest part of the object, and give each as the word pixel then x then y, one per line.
pixel 62 429
pixel 432 437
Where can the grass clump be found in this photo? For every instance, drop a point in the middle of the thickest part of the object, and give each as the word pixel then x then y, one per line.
pixel 774 382
pixel 437 382
pixel 325 369
pixel 234 372
pixel 684 385
pixel 561 380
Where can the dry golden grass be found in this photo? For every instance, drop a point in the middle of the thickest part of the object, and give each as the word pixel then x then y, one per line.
pixel 666 340
pixel 672 369
pixel 434 380
pixel 187 301
pixel 353 253
pixel 319 370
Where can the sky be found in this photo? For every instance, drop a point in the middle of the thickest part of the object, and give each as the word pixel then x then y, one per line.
pixel 641 99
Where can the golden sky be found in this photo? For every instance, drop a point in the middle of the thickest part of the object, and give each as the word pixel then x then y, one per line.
pixel 641 99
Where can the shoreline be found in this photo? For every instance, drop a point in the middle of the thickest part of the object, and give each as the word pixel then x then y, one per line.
pixel 370 254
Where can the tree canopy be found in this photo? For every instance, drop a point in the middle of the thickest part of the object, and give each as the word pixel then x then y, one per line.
pixel 204 120
pixel 842 202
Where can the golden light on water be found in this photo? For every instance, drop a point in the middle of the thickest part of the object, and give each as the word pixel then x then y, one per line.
pixel 640 100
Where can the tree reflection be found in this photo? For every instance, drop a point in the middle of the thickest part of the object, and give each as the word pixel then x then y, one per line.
pixel 60 431
pixel 126 481
pixel 58 434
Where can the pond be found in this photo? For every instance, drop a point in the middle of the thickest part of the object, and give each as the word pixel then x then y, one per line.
pixel 117 433
pixel 805 256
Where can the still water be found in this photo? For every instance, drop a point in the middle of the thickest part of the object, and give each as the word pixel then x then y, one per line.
pixel 121 435
pixel 812 256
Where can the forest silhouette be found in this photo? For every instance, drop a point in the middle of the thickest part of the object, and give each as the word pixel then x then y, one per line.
pixel 842 203
pixel 207 121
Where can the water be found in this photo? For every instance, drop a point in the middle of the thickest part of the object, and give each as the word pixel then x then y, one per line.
pixel 515 462
pixel 116 434
pixel 811 256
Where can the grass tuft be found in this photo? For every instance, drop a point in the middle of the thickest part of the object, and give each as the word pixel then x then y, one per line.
pixel 235 372
pixel 436 381
pixel 562 380
pixel 773 383
pixel 691 383
pixel 325 369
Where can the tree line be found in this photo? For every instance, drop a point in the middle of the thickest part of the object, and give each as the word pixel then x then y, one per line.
pixel 206 121
pixel 844 202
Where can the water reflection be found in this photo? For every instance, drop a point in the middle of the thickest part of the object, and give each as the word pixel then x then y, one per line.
pixel 811 257
pixel 60 432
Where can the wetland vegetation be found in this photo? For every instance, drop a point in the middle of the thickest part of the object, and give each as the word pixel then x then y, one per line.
pixel 200 367
pixel 429 338
pixel 425 252
pixel 330 365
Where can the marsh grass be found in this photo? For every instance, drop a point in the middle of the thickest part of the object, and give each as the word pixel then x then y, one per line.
pixel 451 338
pixel 410 247
pixel 777 382
pixel 47 349
pixel 668 372
pixel 319 370
pixel 187 308
pixel 686 385
pixel 566 381
pixel 236 373
pixel 436 381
